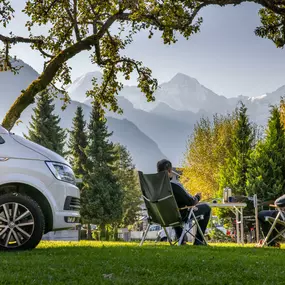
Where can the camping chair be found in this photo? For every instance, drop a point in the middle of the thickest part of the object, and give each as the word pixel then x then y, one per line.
pixel 162 207
pixel 279 205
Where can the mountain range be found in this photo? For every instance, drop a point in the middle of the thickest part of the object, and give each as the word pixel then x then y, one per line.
pixel 150 130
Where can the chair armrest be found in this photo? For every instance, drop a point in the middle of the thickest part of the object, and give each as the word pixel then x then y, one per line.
pixel 187 207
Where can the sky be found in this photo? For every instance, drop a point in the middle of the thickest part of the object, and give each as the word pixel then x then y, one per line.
pixel 225 56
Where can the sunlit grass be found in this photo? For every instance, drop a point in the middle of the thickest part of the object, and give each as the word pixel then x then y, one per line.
pixel 126 263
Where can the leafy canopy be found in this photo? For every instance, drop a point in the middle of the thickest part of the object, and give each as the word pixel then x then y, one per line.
pixel 104 28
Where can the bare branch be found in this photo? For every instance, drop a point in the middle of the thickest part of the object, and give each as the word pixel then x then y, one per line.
pixel 73 19
pixel 196 10
pixel 44 53
pixel 106 82
pixel 14 40
pixel 277 6
pixel 57 89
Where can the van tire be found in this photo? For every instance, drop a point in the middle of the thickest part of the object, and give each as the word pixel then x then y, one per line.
pixel 25 224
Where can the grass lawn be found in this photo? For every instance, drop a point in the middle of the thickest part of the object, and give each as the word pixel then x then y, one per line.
pixel 127 263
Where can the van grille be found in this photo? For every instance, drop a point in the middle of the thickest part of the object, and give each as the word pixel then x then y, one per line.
pixel 72 203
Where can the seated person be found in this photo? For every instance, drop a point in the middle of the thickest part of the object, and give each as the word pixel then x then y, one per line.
pixel 265 226
pixel 183 198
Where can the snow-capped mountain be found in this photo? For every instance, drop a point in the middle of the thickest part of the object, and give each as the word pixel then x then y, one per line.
pixel 144 150
pixel 77 90
pixel 257 98
pixel 181 93
pixel 150 130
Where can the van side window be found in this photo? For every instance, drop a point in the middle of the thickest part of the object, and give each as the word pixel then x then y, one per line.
pixel 1 140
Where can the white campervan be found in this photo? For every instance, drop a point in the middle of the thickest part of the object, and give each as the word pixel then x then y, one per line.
pixel 38 193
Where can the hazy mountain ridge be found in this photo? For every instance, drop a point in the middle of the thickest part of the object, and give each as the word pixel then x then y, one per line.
pixel 124 131
pixel 164 125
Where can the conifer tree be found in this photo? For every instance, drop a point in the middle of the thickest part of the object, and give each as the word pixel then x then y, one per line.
pixel 102 195
pixel 128 179
pixel 234 173
pixel 266 175
pixel 44 129
pixel 78 143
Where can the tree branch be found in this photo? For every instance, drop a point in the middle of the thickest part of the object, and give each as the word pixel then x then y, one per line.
pixel 51 6
pixel 225 2
pixel 73 20
pixel 197 9
pixel 15 40
pixel 44 53
pixel 274 5
pixel 276 8
pixel 27 96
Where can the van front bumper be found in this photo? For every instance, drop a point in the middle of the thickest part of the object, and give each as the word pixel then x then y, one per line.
pixel 65 220
pixel 66 211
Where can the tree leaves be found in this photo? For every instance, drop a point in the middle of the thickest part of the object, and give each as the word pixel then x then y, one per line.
pixel 105 29
pixel 267 165
pixel 207 149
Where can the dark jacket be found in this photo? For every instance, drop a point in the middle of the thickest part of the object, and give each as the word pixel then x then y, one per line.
pixel 182 197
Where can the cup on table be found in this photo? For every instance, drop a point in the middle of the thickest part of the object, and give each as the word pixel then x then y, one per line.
pixel 231 199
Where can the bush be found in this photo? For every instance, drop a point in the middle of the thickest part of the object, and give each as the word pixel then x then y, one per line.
pixel 216 235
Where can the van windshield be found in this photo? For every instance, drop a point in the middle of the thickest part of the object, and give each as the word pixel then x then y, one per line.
pixel 3 131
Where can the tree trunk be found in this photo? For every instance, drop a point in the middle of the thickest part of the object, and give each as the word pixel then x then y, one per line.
pixel 102 232
pixel 89 232
pixel 116 233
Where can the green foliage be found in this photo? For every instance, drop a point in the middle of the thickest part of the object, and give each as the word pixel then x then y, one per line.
pixel 78 143
pixel 216 235
pixel 103 28
pixel 234 172
pixel 128 180
pixel 44 128
pixel 266 175
pixel 102 195
pixel 272 27
pixel 207 149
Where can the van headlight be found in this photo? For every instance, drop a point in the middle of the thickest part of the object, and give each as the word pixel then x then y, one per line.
pixel 61 172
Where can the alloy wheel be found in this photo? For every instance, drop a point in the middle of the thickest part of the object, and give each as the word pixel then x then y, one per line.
pixel 16 225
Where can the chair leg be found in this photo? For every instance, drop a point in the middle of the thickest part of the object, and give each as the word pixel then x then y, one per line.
pixel 182 235
pixel 168 237
pixel 281 233
pixel 271 230
pixel 191 213
pixel 199 229
pixel 144 235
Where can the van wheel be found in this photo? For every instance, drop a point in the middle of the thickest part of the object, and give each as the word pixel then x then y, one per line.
pixel 21 222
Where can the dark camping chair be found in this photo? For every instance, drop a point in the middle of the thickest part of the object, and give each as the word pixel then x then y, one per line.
pixel 162 207
pixel 279 220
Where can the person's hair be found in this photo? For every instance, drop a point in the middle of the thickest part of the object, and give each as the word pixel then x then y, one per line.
pixel 163 165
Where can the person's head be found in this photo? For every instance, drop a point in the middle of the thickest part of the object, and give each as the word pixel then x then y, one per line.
pixel 165 165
